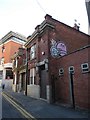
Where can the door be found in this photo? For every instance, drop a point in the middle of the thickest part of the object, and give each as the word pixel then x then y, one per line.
pixel 23 81
pixel 53 88
pixel 43 78
pixel 72 90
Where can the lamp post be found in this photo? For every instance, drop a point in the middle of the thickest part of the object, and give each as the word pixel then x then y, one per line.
pixel 88 9
pixel 26 71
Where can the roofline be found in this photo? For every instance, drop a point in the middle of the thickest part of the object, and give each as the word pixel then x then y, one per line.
pixel 13 34
pixel 39 29
pixel 78 50
pixel 72 28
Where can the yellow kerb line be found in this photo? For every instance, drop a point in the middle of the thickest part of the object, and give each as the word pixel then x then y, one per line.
pixel 22 111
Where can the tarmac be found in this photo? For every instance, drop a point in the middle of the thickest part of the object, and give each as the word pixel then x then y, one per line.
pixel 41 109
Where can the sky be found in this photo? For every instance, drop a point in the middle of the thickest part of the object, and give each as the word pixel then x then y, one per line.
pixel 22 16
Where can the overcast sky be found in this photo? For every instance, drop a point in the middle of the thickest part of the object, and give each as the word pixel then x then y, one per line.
pixel 23 16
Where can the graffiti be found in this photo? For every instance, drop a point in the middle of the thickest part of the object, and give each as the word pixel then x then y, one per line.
pixel 57 48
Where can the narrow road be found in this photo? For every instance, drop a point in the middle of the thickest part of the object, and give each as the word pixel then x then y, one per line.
pixel 8 111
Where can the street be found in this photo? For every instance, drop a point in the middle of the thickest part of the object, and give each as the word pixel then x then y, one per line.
pixel 8 111
pixel 34 108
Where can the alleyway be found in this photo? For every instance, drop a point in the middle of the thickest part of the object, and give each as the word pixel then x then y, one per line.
pixel 41 109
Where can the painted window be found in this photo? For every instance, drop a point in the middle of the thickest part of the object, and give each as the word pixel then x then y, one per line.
pixel 61 71
pixel 71 69
pixel 85 67
pixel 33 52
pixel 32 76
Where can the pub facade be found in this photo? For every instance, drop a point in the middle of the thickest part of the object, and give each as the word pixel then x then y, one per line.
pixel 57 64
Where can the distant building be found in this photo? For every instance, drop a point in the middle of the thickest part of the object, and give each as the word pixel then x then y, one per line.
pixel 9 44
pixel 19 70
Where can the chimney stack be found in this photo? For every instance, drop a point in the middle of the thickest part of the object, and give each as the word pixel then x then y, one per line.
pixel 47 17
pixel 76 26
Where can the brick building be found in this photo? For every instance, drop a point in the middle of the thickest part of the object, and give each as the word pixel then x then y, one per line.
pixel 72 84
pixel 9 44
pixel 57 64
pixel 19 70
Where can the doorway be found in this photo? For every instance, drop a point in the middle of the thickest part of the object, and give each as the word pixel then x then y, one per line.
pixel 23 82
pixel 43 78
pixel 53 79
pixel 72 90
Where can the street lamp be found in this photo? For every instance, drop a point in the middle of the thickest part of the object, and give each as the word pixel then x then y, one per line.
pixel 26 71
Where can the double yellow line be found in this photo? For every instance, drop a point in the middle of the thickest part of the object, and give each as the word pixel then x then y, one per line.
pixel 19 108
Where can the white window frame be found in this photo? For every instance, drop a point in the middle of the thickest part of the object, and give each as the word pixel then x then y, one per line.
pixel 33 52
pixel 61 71
pixel 85 69
pixel 71 71
pixel 2 61
pixel 16 62
pixel 33 76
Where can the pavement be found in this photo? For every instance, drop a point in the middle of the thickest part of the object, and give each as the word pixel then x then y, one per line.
pixel 41 109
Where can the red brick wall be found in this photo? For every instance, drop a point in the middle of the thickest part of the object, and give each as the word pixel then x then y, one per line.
pixel 43 46
pixel 10 48
pixel 80 80
pixel 71 37
pixel 22 57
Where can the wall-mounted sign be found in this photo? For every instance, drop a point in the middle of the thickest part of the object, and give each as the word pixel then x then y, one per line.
pixel 58 48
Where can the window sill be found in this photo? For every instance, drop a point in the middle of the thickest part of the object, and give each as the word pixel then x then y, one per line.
pixel 84 72
pixel 33 58
pixel 61 75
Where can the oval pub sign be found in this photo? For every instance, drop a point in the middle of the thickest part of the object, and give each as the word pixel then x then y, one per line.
pixel 57 48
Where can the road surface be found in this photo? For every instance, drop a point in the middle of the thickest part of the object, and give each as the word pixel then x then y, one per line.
pixel 8 111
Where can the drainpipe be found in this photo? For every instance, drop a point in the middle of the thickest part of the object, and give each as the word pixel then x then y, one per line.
pixel 88 9
pixel 26 71
pixel 88 13
pixel 16 75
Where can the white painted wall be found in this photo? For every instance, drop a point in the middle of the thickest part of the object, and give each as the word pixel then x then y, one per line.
pixel 33 91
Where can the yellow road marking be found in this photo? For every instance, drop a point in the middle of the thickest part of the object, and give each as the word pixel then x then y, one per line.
pixel 19 108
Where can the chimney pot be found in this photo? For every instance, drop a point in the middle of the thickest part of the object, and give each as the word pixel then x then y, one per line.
pixel 76 26
pixel 47 17
pixel 37 27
